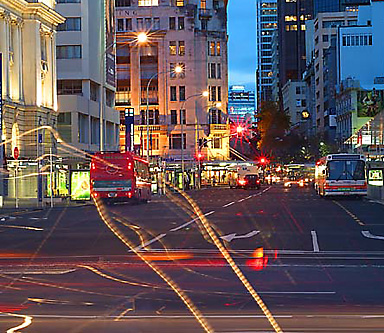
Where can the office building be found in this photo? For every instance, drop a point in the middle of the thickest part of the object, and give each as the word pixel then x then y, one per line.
pixel 86 70
pixel 360 94
pixel 193 35
pixel 241 105
pixel 266 16
pixel 294 102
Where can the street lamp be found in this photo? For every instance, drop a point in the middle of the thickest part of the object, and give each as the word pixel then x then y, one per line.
pixel 204 94
pixel 140 39
pixel 178 69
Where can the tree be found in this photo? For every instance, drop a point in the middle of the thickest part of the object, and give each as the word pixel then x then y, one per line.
pixel 273 125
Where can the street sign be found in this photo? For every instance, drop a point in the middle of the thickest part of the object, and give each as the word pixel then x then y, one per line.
pixel 16 153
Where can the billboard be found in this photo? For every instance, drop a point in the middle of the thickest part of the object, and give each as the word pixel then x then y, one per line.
pixel 370 102
pixel 80 185
pixel 110 57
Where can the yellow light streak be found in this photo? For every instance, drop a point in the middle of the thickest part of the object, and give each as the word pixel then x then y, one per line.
pixel 123 314
pixel 194 310
pixel 229 259
pixel 26 323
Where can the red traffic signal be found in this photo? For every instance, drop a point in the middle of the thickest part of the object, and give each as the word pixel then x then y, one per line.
pixel 263 160
pixel 199 156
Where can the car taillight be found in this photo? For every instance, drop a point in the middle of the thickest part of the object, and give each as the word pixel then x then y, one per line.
pixel 129 166
pixel 258 181
pixel 129 194
pixel 242 182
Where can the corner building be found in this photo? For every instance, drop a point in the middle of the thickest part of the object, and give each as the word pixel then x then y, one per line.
pixel 193 35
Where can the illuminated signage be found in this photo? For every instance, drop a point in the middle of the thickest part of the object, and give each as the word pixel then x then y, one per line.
pixel 375 177
pixel 80 185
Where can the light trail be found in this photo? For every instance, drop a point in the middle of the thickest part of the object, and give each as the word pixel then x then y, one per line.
pixel 26 323
pixel 229 259
pixel 194 310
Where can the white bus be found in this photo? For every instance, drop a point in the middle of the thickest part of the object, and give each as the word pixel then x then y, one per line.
pixel 236 174
pixel 341 174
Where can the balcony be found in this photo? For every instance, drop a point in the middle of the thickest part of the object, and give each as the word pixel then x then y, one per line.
pixel 205 14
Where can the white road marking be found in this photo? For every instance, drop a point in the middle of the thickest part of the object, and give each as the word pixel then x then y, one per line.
pixel 229 204
pixel 230 237
pixel 369 235
pixel 26 323
pixel 138 248
pixel 315 241
pixel 241 200
pixel 190 222
pixel 249 197
pixel 20 227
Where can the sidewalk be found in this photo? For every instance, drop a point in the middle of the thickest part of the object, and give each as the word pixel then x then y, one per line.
pixel 31 204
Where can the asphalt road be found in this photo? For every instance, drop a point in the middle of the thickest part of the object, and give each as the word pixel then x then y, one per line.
pixel 321 267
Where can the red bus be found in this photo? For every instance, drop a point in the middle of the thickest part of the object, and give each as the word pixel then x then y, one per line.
pixel 120 177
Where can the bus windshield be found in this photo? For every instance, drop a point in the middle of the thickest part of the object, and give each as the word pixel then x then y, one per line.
pixel 346 170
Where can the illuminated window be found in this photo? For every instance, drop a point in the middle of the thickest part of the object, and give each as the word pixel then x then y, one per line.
pixel 290 18
pixel 218 48
pixel 211 48
pixel 203 4
pixel 303 27
pixel 172 47
pixel 181 48
pixel 148 2
pixel 179 3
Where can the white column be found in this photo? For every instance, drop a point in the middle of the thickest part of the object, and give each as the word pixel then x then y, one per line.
pixel 20 58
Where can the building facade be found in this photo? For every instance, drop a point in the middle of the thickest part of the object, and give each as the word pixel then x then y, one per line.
pixel 28 48
pixel 86 75
pixel 190 34
pixel 360 88
pixel 241 105
pixel 294 102
pixel 266 21
pixel 292 16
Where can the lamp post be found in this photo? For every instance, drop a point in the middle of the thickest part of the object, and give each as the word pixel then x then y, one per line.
pixel 177 70
pixel 140 39
pixel 182 133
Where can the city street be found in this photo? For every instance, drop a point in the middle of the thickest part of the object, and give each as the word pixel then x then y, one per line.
pixel 321 267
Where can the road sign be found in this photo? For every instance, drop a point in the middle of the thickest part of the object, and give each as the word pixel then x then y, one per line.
pixel 16 153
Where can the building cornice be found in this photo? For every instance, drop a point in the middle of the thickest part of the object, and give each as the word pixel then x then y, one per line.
pixel 36 10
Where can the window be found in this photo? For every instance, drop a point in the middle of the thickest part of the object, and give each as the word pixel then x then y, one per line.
pixel 83 128
pixel 174 117
pixel 68 1
pixel 120 25
pixel 69 52
pixel 109 98
pixel 212 95
pixel 181 48
pixel 140 24
pixel 216 4
pixel 203 4
pixel 179 3
pixel 69 87
pixel 298 90
pixel 172 23
pixel 219 94
pixel 156 23
pixel 172 72
pixel 123 3
pixel 148 23
pixel 153 141
pixel 128 24
pixel 173 96
pixel 204 24
pixel 183 119
pixel 180 23
pixel 148 2
pixel 211 48
pixel 94 91
pixel 172 48
pixel 218 49
pixel 325 38
pixel 212 71
pixel 175 141
pixel 70 24
pixel 216 142
pixel 43 45
pixel 182 93
pixel 219 71
pixel 64 125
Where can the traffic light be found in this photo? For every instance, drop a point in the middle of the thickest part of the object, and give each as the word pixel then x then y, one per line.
pixel 240 130
pixel 263 160
pixel 199 156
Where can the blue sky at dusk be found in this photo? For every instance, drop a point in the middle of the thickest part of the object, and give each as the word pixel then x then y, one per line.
pixel 242 42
